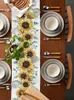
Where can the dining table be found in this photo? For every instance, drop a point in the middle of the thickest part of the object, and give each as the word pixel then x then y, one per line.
pixel 4 94
pixel 40 46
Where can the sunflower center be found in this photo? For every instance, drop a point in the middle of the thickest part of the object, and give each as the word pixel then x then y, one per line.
pixel 26 64
pixel 25 84
pixel 30 54
pixel 21 92
pixel 25 25
pixel 27 36
pixel 23 76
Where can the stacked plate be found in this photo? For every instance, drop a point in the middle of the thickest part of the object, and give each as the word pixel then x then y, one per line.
pixel 4 25
pixel 5 72
pixel 52 24
pixel 53 71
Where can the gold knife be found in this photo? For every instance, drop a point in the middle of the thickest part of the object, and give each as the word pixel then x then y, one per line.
pixel 52 39
pixel 52 57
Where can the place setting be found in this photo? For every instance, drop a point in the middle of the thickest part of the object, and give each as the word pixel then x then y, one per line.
pixel 52 24
pixel 52 71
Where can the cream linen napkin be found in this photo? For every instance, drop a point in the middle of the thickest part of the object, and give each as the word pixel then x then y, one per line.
pixel 33 94
pixel 19 12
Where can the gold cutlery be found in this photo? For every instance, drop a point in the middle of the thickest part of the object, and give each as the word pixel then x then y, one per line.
pixel 55 7
pixel 5 87
pixel 56 10
pixel 2 42
pixel 5 10
pixel 1 59
pixel 6 38
pixel 52 57
pixel 2 88
pixel 51 53
pixel 6 84
pixel 52 7
pixel 55 84
pixel 58 84
pixel 51 10
pixel 51 38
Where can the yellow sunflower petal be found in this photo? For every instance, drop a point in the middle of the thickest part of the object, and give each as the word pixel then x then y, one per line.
pixel 20 92
pixel 25 84
pixel 29 52
pixel 30 14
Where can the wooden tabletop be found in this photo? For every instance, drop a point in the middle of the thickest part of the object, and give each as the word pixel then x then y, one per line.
pixel 54 92
pixel 4 94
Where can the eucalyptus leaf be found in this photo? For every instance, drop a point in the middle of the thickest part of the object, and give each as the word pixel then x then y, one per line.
pixel 12 39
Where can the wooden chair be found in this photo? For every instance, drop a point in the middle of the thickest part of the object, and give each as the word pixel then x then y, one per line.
pixel 69 22
pixel 69 68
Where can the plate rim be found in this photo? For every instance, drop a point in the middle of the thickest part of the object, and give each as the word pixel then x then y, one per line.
pixel 9 71
pixel 7 24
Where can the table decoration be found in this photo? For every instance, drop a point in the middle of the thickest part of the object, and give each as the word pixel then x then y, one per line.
pixel 26 55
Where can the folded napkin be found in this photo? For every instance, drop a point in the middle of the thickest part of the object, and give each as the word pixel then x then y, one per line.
pixel 19 12
pixel 33 94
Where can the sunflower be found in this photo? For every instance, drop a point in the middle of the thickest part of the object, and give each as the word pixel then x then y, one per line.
pixel 20 92
pixel 23 75
pixel 27 36
pixel 30 78
pixel 29 53
pixel 25 25
pixel 25 84
pixel 26 65
pixel 30 14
